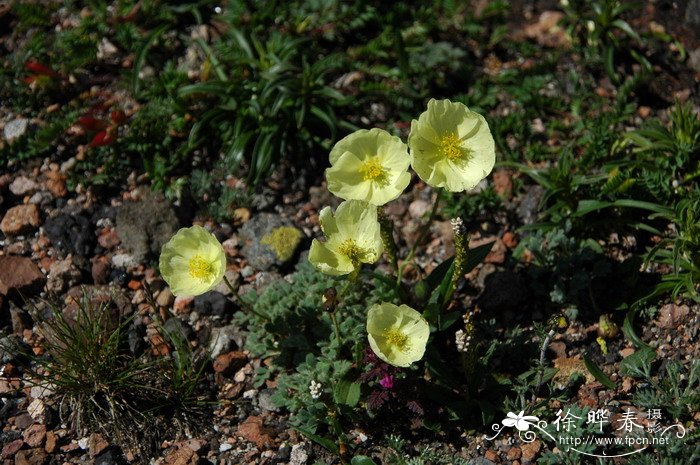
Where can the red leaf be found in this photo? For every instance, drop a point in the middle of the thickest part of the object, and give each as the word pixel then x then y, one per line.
pixel 118 117
pixel 92 124
pixel 36 67
pixel 101 139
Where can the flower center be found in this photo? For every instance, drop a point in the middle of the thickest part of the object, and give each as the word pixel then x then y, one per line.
pixel 372 170
pixel 451 147
pixel 200 268
pixel 397 338
pixel 354 252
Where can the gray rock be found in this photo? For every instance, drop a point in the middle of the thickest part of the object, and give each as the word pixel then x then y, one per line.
pixel 177 329
pixel 694 59
pixel 481 461
pixel 22 185
pixel 15 129
pixel 265 401
pixel 529 204
pixel 146 225
pixel 298 456
pixel 213 303
pixel 503 290
pixel 224 339
pixel 11 348
pixel 266 244
pixel 135 339
pixel 71 234
pixel 692 13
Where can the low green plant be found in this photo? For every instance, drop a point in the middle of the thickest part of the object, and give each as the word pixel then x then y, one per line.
pixel 100 386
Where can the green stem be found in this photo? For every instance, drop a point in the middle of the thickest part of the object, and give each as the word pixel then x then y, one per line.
pixel 421 237
pixel 234 297
pixel 336 328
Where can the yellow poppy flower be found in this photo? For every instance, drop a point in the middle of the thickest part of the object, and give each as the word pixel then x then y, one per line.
pixel 352 238
pixel 397 334
pixel 451 146
pixel 192 262
pixel 369 165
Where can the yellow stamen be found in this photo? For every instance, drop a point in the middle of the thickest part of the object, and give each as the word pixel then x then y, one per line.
pixel 397 339
pixel 200 268
pixel 350 249
pixel 451 147
pixel 372 170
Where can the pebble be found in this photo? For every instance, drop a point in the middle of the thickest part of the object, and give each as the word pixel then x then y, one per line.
pixel 298 456
pixel 20 219
pixel 165 298
pixel 418 208
pixel 19 274
pixel 22 186
pixel 15 129
pixel 225 446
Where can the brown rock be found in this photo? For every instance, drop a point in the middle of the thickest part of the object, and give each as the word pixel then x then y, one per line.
pixel 514 453
pixel 11 448
pixel 230 362
pixel 23 421
pixel 97 444
pixel 108 238
pixel 671 315
pixel 252 430
pixel 547 31
pixel 31 457
pixel 502 183
pixel 62 275
pixel 492 456
pixel 510 240
pixel 51 442
pixel 35 435
pixel 165 298
pixel 181 456
pixel 19 274
pixel 20 320
pixel 182 304
pixel 530 450
pixel 20 219
pixel 56 183
pixel 100 270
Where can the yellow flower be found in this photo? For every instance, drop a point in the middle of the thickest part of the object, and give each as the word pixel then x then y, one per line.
pixel 397 334
pixel 352 238
pixel 369 165
pixel 451 146
pixel 192 261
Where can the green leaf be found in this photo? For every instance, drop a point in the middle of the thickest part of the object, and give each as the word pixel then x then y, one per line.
pixel 321 441
pixel 362 460
pixel 628 330
pixel 347 392
pixel 638 364
pixel 598 373
pixel 477 255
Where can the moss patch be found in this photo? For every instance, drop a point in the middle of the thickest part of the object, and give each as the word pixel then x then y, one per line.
pixel 283 241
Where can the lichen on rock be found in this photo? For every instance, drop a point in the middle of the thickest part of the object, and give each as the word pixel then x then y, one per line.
pixel 283 241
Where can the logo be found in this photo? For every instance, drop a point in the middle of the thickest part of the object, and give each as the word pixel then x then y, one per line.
pixel 627 433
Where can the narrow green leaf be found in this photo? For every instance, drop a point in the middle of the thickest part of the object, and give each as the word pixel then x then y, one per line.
pixel 362 460
pixel 321 441
pixel 598 373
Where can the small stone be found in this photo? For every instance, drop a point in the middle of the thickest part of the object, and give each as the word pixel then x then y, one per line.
pixel 51 442
pixel 225 446
pixel 123 260
pixel 11 448
pixel 15 129
pixel 37 411
pixel 20 321
pixel 247 271
pixel 19 274
pixel 265 401
pixel 56 183
pixel 269 241
pixel 165 298
pixel 23 421
pixel 502 183
pixel 181 456
pixel 100 270
pixel 35 435
pixel 22 186
pixel 230 362
pixel 108 239
pixel 70 234
pixel 298 455
pixel 213 303
pixel 492 456
pixel 418 208
pixel 20 219
pixel 224 339
pixel 144 226
pixel 97 444
pixel 31 457
pixel 510 240
pixel 530 450
pixel 62 275
pixel 692 14
pixel 108 457
pixel 252 430
pixel 514 453
pixel 671 315
pixel 182 304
